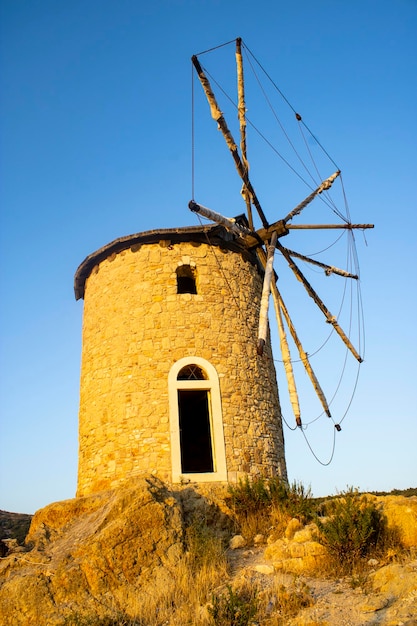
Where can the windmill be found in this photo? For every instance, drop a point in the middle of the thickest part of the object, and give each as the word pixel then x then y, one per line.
pixel 267 239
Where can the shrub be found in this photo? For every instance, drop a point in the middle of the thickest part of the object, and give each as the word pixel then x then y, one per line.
pixel 264 502
pixel 252 603
pixel 355 527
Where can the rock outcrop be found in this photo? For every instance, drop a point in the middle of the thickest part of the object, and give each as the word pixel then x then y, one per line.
pixel 91 554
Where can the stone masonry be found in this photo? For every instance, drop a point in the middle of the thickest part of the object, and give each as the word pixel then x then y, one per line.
pixel 136 326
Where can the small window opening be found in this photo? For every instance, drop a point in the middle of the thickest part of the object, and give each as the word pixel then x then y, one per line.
pixel 195 431
pixel 191 372
pixel 186 276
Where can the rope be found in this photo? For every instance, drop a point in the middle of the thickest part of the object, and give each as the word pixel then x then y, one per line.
pixel 323 196
pixel 222 45
pixel 287 424
pixel 224 276
pixel 192 134
pixel 352 395
pixel 279 121
pixel 258 131
pixel 324 463
pixel 299 118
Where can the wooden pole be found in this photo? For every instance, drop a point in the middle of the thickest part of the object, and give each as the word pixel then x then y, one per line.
pixel 329 317
pixel 303 355
pixel 329 269
pixel 301 352
pixel 228 223
pixel 241 110
pixel 324 226
pixel 286 357
pixel 263 234
pixel 266 290
pixel 326 184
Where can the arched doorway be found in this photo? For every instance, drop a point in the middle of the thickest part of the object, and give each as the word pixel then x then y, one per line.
pixel 197 440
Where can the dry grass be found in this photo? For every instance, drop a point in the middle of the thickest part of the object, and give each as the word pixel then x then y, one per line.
pixel 199 591
pixel 250 602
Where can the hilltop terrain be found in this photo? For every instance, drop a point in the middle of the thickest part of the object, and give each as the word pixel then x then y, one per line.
pixel 150 555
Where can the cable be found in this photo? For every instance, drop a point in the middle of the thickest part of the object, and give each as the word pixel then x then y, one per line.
pixel 222 45
pixel 325 464
pixel 192 135
pixel 258 131
pixel 279 122
pixel 290 105
pixel 322 197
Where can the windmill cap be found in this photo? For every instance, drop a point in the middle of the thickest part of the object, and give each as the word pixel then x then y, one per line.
pixel 218 236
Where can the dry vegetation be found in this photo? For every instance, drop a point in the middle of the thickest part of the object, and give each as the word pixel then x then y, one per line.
pixel 200 590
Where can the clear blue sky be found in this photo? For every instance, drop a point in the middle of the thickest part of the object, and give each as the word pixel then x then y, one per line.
pixel 95 144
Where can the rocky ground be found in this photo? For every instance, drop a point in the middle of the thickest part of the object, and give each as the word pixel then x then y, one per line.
pixel 129 542
pixel 387 598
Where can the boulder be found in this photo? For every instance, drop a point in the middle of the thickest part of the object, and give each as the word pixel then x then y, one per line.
pixel 297 554
pixel 395 580
pixel 90 554
pixel 237 542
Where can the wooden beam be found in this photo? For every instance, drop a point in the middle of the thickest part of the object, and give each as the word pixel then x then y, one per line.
pixel 327 226
pixel 326 184
pixel 331 319
pixel 266 290
pixel 329 269
pixel 241 111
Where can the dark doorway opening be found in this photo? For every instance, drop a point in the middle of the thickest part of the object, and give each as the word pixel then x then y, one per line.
pixel 195 432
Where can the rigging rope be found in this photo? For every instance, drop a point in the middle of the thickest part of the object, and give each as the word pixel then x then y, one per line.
pixel 323 196
pixel 222 45
pixel 192 134
pixel 258 131
pixel 279 121
pixel 298 116
pixel 325 464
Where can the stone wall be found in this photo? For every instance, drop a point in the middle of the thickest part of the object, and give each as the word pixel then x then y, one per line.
pixel 136 326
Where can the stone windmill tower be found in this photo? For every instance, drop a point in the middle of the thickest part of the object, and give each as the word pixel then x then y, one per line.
pixel 171 383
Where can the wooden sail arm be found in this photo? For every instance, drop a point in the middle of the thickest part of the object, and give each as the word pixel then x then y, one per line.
pixel 329 269
pixel 283 229
pixel 241 109
pixel 278 302
pixel 266 290
pixel 217 115
pixel 285 351
pixel 227 222
pixel 286 357
pixel 301 351
pixel 326 184
pixel 329 317
pixel 347 226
